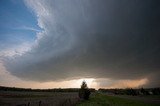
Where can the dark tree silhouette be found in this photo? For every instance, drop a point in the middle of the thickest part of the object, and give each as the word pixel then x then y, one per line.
pixel 84 92
pixel 84 85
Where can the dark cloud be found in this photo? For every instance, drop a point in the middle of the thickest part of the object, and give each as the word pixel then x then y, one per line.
pixel 91 38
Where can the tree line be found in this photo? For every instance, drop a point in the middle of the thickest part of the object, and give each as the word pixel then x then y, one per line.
pixel 131 91
pixel 127 91
pixel 3 88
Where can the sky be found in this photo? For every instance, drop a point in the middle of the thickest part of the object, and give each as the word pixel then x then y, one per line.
pixel 60 43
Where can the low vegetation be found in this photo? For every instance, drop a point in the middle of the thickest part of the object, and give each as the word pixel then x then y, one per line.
pixel 133 92
pixel 106 100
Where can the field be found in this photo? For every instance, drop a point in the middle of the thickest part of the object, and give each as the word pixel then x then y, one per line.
pixel 100 99
pixel 34 98
pixel 19 98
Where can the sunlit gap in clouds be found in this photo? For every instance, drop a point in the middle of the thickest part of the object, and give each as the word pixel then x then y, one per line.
pixel 90 82
pixel 74 83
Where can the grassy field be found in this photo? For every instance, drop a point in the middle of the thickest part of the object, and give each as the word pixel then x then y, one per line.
pixel 105 100
pixel 14 98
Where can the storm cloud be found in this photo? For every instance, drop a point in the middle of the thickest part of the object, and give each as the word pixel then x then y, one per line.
pixel 92 38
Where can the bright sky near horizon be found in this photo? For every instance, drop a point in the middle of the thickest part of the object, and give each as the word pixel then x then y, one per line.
pixel 60 43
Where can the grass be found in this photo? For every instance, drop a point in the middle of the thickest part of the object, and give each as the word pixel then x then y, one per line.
pixel 152 96
pixel 104 100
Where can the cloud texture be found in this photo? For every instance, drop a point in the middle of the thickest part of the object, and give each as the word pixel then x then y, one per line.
pixel 92 38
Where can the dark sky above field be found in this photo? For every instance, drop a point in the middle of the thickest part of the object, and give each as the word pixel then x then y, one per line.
pixel 57 40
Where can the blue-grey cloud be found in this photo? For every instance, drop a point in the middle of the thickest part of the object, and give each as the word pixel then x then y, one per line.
pixel 91 38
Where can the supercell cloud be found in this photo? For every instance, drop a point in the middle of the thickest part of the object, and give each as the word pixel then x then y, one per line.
pixel 92 38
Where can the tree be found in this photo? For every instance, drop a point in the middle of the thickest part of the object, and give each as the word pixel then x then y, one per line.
pixel 84 85
pixel 84 92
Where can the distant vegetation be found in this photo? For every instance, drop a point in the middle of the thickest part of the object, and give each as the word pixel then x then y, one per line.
pixel 2 88
pixel 133 92
pixel 127 91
